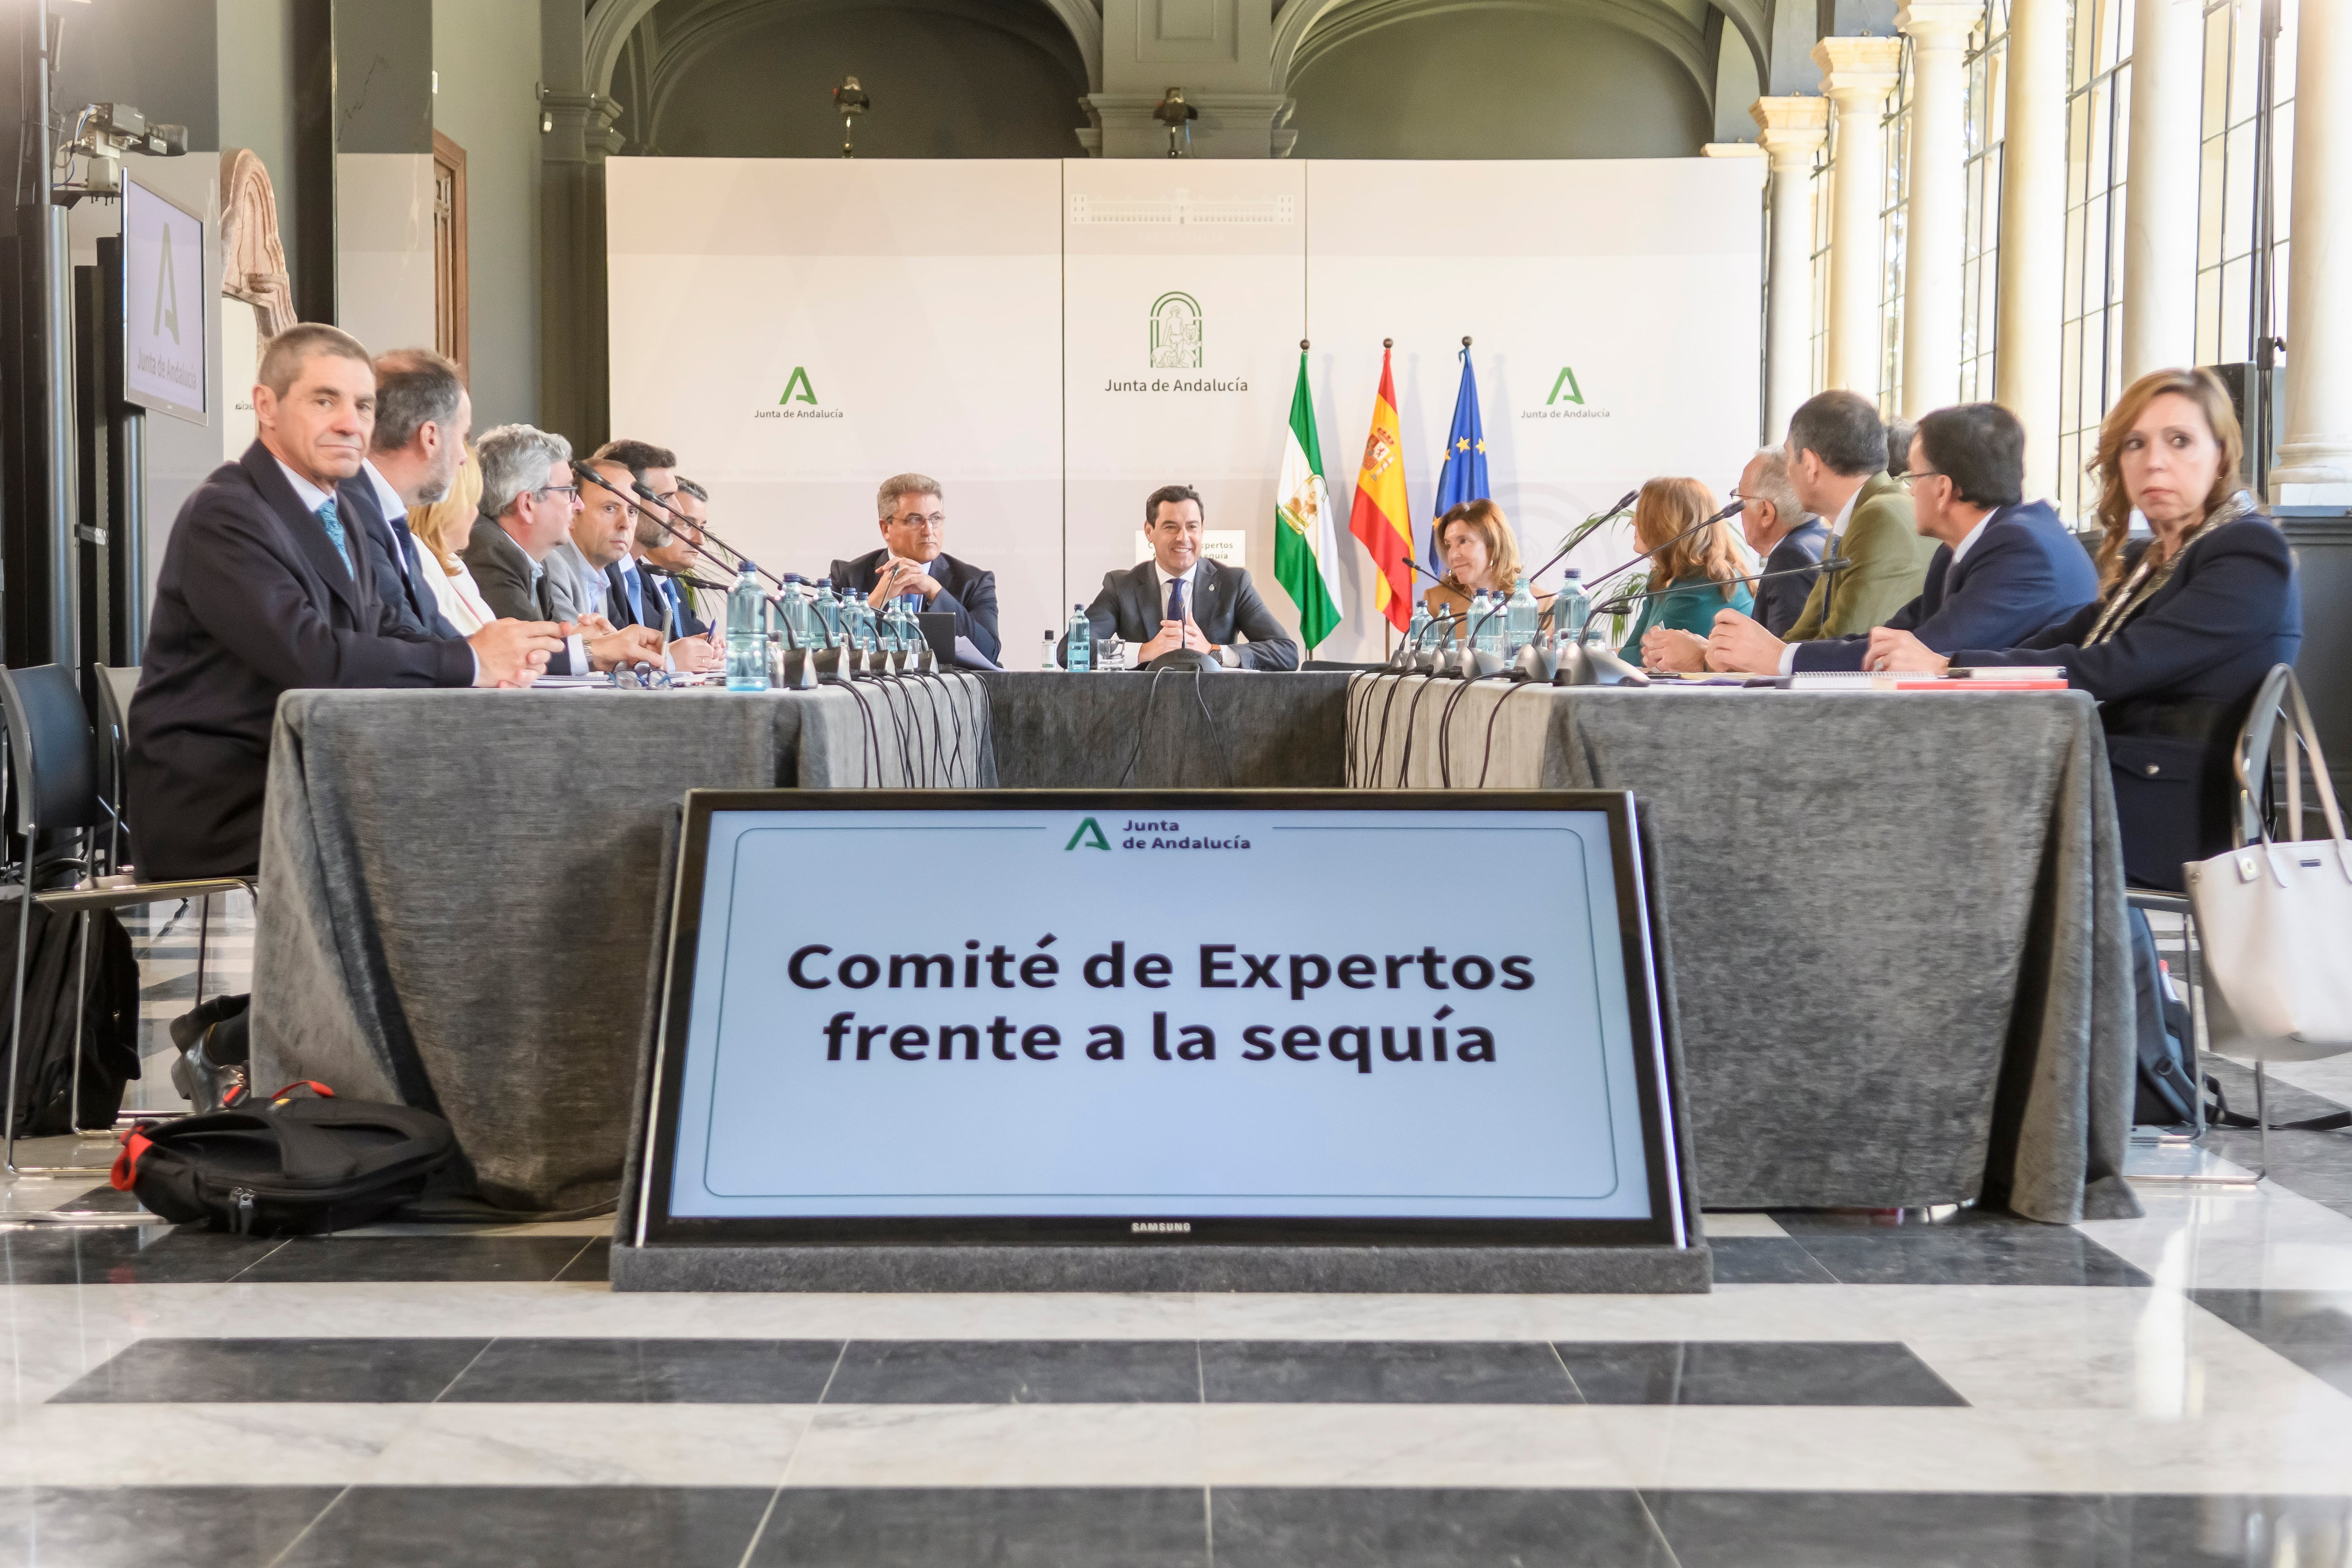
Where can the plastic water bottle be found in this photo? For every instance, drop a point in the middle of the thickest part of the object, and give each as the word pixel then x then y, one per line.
pixel 747 632
pixel 909 616
pixel 1416 632
pixel 1082 638
pixel 1519 618
pixel 1571 608
pixel 1050 662
pixel 828 612
pixel 1487 624
pixel 858 622
pixel 793 608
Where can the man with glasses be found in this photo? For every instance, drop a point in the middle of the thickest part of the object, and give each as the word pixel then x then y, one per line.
pixel 528 499
pixel 2001 569
pixel 1787 542
pixel 914 560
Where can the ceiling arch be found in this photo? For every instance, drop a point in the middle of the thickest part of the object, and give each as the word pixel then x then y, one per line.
pixel 1304 29
pixel 611 23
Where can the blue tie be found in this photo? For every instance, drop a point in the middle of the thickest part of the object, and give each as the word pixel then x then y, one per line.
pixel 335 533
pixel 676 606
pixel 1176 598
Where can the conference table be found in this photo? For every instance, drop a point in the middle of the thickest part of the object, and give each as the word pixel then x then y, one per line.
pixel 1899 966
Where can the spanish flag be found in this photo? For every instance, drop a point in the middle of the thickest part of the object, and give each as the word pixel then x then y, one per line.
pixel 1379 517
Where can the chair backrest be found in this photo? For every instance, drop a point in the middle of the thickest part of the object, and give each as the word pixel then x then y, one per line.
pixel 2279 697
pixel 116 684
pixel 49 760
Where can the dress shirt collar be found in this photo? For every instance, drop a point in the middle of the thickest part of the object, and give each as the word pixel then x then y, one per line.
pixel 1845 512
pixel 1972 536
pixel 387 499
pixel 311 497
pixel 1190 574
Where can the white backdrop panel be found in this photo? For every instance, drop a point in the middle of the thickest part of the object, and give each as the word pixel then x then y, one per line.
pixel 1228 239
pixel 919 302
pixel 984 322
pixel 1638 278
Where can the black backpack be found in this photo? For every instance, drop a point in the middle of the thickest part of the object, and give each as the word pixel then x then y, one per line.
pixel 109 975
pixel 304 1161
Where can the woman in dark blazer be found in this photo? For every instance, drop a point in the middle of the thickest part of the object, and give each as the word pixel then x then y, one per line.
pixel 2188 622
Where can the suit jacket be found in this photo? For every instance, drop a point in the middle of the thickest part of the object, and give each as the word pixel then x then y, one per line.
pixel 1890 565
pixel 965 590
pixel 1224 604
pixel 2024 572
pixel 511 587
pixel 399 568
pixel 2173 686
pixel 1781 600
pixel 576 588
pixel 252 601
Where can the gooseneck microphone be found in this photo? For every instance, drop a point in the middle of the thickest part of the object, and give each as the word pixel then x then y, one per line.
pixel 644 492
pixel 1618 605
pixel 1586 530
pixel 581 471
pixel 1729 512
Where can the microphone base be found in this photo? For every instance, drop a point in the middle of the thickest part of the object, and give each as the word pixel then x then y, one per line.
pixel 1590 664
pixel 1536 663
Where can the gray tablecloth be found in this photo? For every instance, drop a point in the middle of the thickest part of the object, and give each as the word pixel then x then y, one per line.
pixel 1901 960
pixel 1897 921
pixel 1170 729
pixel 460 890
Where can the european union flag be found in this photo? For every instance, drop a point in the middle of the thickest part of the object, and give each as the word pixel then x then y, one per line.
pixel 1463 476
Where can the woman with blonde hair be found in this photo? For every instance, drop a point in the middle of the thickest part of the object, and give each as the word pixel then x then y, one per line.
pixel 1694 570
pixel 1480 555
pixel 443 527
pixel 2189 621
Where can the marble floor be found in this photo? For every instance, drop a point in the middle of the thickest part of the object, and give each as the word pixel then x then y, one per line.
pixel 1957 1390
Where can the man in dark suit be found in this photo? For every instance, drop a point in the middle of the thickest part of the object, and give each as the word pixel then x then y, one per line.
pixel 1178 600
pixel 265 588
pixel 1786 540
pixel 914 560
pixel 669 545
pixel 423 416
pixel 2002 569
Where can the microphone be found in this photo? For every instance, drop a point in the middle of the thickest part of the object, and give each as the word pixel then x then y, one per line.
pixel 1586 530
pixel 581 471
pixel 1729 511
pixel 681 575
pixel 644 492
pixel 1617 606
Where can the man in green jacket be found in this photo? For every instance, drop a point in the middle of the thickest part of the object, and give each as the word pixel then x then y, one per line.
pixel 1837 461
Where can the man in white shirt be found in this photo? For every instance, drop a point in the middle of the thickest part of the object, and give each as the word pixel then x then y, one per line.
pixel 1180 600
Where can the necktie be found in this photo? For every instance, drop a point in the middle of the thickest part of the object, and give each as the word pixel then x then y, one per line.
pixel 1176 598
pixel 635 585
pixel 676 606
pixel 335 531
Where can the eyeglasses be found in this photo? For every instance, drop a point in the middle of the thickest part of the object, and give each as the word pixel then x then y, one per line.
pixel 644 678
pixel 572 490
pixel 1915 475
pixel 922 520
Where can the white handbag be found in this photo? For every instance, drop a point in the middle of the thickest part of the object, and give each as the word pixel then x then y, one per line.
pixel 2275 919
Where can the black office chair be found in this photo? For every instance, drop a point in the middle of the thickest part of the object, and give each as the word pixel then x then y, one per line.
pixel 53 774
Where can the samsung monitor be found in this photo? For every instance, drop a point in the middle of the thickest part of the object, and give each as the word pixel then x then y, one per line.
pixel 1137 1017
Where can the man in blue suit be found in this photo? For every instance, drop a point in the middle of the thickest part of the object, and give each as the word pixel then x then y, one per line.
pixel 2002 570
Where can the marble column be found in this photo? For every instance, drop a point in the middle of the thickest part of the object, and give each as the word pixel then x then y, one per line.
pixel 1935 222
pixel 2026 364
pixel 2315 455
pixel 1791 131
pixel 2160 186
pixel 1857 76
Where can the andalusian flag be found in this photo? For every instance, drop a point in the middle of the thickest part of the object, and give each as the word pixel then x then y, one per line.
pixel 1306 550
pixel 1380 518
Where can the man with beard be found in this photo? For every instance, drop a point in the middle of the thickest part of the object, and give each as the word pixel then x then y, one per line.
pixel 423 418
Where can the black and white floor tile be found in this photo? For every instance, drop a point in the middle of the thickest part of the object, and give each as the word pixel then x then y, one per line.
pixel 1956 1391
